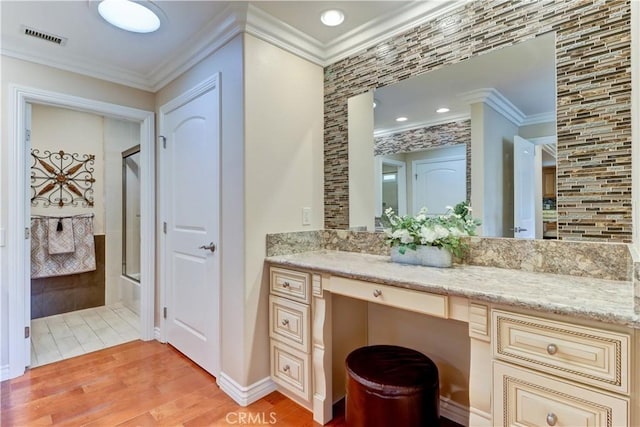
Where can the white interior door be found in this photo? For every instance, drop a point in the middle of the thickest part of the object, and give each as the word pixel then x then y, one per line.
pixel 527 189
pixel 192 271
pixel 439 183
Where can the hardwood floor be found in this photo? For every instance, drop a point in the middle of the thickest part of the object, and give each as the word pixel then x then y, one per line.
pixel 137 384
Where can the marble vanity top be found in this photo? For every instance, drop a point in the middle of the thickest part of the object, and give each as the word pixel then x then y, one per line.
pixel 597 299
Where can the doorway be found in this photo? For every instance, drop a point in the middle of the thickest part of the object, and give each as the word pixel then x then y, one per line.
pixel 18 242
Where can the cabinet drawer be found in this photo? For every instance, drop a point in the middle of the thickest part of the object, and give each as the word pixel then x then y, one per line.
pixel 525 398
pixel 290 369
pixel 421 302
pixel 290 284
pixel 588 355
pixel 289 322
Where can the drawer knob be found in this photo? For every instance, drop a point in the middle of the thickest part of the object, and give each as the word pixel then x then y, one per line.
pixel 552 419
pixel 286 285
pixel 286 369
pixel 285 322
pixel 552 349
pixel 377 293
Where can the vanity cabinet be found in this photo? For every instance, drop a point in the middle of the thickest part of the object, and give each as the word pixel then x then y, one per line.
pixel 289 332
pixel 548 373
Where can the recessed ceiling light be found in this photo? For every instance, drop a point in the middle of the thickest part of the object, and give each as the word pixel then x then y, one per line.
pixel 442 110
pixel 401 119
pixel 332 17
pixel 129 15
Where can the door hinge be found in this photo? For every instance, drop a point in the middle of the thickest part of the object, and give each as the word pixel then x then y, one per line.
pixel 27 233
pixel 164 141
pixel 27 332
pixel 27 135
pixel 164 312
pixel 164 227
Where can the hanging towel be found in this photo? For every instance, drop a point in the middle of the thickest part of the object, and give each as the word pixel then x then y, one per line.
pixel 43 264
pixel 60 236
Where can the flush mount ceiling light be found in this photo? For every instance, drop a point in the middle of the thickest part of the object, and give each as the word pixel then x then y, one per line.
pixel 332 17
pixel 137 17
pixel 442 110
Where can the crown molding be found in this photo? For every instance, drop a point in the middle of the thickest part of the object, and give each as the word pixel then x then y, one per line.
pixel 385 27
pixel 81 66
pixel 497 101
pixel 421 125
pixel 264 26
pixel 540 118
pixel 212 37
pixel 240 17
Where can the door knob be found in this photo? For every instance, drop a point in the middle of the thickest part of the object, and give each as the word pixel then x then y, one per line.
pixel 518 229
pixel 210 247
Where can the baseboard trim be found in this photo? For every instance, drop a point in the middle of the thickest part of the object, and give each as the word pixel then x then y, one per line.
pixel 4 372
pixel 156 334
pixel 454 411
pixel 245 396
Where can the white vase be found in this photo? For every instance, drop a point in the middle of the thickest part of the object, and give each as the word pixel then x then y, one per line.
pixel 433 256
pixel 409 256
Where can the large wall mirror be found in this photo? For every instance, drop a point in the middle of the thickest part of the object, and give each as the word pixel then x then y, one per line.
pixel 482 130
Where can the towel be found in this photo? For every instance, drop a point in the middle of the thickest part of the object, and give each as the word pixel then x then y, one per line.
pixel 60 236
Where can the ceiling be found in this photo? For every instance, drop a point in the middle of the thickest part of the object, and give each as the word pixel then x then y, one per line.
pixel 192 29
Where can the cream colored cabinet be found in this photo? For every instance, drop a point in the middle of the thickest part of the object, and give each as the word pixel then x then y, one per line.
pixel 289 331
pixel 552 373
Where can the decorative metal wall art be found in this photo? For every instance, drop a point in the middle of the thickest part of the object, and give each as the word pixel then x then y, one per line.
pixel 61 178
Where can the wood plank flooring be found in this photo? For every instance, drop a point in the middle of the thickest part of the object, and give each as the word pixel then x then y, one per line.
pixel 136 384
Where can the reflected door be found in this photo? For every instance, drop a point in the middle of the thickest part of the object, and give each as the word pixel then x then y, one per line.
pixel 438 184
pixel 527 194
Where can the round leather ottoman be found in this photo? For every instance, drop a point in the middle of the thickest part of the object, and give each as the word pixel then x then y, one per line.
pixel 389 385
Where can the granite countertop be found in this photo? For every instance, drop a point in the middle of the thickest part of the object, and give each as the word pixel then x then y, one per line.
pixel 609 301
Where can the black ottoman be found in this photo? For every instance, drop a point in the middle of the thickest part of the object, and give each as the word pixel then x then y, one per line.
pixel 388 385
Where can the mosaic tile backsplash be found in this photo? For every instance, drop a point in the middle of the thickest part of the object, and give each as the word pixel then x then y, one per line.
pixel 593 99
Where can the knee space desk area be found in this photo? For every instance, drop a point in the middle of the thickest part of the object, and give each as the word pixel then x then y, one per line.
pixel 512 347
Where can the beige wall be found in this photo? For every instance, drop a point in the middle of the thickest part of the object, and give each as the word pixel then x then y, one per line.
pixel 54 129
pixel 22 73
pixel 283 171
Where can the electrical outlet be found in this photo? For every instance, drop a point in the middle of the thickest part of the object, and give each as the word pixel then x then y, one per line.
pixel 306 216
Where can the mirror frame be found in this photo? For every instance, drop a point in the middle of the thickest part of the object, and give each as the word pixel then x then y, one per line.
pixel 592 205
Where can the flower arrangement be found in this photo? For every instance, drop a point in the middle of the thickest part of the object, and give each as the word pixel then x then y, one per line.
pixel 444 231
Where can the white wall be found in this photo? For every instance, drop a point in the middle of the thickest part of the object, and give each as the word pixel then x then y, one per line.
pixel 32 75
pixel 492 199
pixel 284 171
pixel 54 129
pixel 228 61
pixel 119 135
pixel 272 166
pixel 362 176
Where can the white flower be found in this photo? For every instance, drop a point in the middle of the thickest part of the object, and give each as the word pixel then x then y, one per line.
pixel 456 232
pixel 440 231
pixel 421 217
pixel 427 235
pixel 403 235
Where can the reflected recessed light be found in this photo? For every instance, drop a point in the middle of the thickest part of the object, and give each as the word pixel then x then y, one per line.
pixel 442 110
pixel 332 17
pixel 401 119
pixel 129 15
pixel 375 103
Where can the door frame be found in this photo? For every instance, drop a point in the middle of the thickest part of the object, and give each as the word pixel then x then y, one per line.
pixel 180 100
pixel 19 275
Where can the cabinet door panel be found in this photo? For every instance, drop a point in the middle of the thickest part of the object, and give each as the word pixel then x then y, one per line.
pixel 526 398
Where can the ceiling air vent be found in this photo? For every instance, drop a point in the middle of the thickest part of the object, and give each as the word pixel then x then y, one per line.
pixel 44 36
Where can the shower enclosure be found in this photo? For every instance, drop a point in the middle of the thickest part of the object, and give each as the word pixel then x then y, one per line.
pixel 131 213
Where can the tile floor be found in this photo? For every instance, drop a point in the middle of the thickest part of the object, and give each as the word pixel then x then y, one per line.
pixel 71 334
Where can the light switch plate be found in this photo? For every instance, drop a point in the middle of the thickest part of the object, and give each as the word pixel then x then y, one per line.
pixel 306 216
